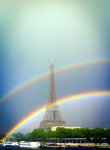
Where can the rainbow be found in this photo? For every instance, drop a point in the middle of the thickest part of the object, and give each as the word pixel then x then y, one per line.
pixel 34 80
pixel 62 100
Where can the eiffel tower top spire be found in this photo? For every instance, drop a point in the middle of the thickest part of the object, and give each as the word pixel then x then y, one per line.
pixel 52 95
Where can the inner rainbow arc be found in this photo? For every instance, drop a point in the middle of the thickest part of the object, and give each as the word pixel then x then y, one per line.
pixel 62 100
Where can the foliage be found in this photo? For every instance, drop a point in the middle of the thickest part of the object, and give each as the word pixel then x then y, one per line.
pixel 97 135
pixel 2 135
pixel 38 133
pixel 19 136
pixel 50 134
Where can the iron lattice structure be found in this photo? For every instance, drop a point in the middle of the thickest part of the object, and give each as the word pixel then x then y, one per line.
pixel 52 115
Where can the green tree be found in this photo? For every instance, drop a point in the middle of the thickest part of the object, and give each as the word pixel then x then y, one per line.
pixel 108 135
pixel 50 134
pixel 38 133
pixel 61 133
pixel 19 136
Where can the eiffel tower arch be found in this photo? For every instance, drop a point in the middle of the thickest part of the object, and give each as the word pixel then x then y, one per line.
pixel 52 115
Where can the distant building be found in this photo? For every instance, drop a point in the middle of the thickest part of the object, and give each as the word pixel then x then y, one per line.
pixel 66 127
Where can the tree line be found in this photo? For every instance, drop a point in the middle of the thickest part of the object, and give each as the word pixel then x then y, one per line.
pixel 97 134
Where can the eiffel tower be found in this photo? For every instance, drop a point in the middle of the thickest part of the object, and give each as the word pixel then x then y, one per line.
pixel 52 115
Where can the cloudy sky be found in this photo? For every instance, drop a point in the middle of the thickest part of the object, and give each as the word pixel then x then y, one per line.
pixel 69 31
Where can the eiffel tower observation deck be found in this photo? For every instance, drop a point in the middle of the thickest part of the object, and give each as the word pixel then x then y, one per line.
pixel 52 115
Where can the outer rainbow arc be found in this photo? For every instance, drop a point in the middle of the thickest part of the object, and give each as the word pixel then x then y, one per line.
pixel 23 86
pixel 65 99
pixel 40 77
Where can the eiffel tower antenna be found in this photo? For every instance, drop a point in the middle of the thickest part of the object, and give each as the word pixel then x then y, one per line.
pixel 52 115
pixel 52 59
